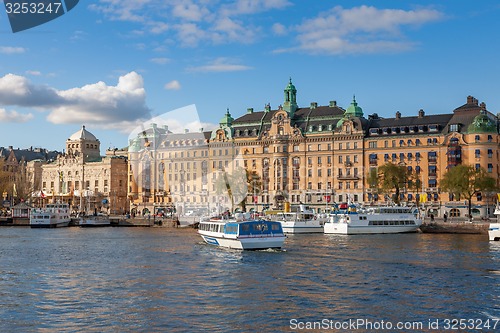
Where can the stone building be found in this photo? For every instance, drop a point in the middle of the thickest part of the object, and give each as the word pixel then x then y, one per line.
pixel 318 155
pixel 82 177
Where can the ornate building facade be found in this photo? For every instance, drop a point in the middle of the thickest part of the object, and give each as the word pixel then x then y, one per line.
pixel 316 155
pixel 82 177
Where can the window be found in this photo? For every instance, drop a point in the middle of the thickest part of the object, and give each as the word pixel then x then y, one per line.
pixel 319 160
pixel 372 144
pixel 477 153
pixel 319 147
pixel 340 159
pixel 329 159
pixel 340 146
pixel 477 138
pixel 490 167
pixel 478 166
pixel 490 153
pixel 490 138
pixel 296 148
pixel 309 161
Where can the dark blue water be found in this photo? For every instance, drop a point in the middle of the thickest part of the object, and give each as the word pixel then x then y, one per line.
pixel 166 280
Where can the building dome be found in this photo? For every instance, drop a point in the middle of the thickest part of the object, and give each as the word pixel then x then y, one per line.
pixel 83 134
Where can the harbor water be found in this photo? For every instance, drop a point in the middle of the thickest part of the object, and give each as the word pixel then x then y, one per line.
pixel 167 280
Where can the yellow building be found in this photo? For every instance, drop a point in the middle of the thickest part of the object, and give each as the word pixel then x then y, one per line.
pixel 83 178
pixel 316 155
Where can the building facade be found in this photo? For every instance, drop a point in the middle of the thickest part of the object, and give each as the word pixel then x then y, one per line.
pixel 82 177
pixel 316 155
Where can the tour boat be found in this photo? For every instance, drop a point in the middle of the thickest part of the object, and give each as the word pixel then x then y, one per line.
pixel 372 220
pixel 301 222
pixel 494 231
pixel 243 235
pixel 94 221
pixel 52 216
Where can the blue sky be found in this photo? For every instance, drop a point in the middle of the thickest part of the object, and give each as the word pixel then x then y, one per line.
pixel 113 64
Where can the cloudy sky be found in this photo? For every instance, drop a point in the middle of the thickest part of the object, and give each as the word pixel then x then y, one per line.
pixel 114 64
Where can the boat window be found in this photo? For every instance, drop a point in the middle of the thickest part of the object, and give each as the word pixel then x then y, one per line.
pixel 275 227
pixel 245 227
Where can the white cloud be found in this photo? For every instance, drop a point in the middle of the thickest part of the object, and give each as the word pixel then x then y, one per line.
pixel 363 29
pixel 173 85
pixel 12 50
pixel 220 65
pixel 34 73
pixel 14 117
pixel 192 22
pixel 96 103
pixel 279 29
pixel 160 61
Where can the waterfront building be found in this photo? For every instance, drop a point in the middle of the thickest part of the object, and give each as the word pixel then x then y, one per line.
pixel 318 155
pixel 82 177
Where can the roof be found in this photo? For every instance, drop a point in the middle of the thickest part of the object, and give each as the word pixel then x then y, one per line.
pixel 83 134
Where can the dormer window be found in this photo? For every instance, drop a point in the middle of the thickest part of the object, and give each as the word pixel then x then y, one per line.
pixel 454 128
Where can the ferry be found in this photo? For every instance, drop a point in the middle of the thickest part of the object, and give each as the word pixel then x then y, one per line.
pixel 242 235
pixel 301 222
pixel 52 216
pixel 348 220
pixel 494 231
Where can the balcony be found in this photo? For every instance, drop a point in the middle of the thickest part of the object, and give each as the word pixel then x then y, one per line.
pixel 347 177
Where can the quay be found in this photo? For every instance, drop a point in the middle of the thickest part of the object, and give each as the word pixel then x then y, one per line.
pixel 455 226
pixel 116 221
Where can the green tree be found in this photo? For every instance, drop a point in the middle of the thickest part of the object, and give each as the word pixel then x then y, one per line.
pixel 392 178
pixel 466 181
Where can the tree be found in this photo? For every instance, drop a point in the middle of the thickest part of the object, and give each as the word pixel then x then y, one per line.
pixel 466 181
pixel 392 177
pixel 5 179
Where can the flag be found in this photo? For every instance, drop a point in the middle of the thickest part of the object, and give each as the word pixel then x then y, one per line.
pixel 423 197
pixel 42 195
pixel 498 195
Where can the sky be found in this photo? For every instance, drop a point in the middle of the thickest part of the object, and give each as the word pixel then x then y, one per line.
pixel 112 65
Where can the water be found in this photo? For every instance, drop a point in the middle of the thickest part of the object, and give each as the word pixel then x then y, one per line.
pixel 167 280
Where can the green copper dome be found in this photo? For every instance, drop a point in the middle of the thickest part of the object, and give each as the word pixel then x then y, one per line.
pixel 353 109
pixel 227 120
pixel 482 124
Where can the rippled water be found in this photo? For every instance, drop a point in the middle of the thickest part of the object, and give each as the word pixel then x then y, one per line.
pixel 167 280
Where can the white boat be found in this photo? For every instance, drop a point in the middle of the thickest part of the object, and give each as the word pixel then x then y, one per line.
pixel 52 216
pixel 301 222
pixel 243 235
pixel 94 221
pixel 373 220
pixel 494 231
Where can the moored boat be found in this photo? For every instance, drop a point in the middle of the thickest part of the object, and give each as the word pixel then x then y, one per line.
pixel 243 235
pixel 94 221
pixel 373 220
pixel 52 216
pixel 494 231
pixel 300 222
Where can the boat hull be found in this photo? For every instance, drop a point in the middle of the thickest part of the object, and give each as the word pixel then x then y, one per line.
pixel 250 243
pixel 48 224
pixel 346 229
pixel 297 228
pixel 494 232
pixel 92 222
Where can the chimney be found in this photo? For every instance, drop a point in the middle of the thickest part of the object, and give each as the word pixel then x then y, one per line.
pixel 249 110
pixel 333 104
pixel 483 106
pixel 165 127
pixel 314 105
pixel 398 115
pixel 268 107
pixel 421 113
pixel 201 129
pixel 186 130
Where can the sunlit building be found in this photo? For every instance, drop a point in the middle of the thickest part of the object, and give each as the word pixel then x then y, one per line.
pixel 317 155
pixel 83 178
